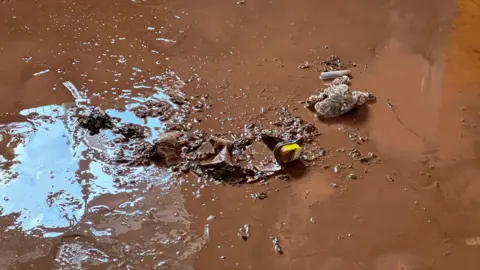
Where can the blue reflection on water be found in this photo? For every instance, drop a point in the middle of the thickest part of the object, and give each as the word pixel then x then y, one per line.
pixel 56 169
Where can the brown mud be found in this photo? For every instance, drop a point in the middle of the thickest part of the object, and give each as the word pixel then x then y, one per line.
pixel 391 185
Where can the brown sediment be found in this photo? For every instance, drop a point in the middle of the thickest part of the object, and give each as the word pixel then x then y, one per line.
pixel 220 68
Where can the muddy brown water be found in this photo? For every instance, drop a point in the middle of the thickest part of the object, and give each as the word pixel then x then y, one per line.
pixel 64 204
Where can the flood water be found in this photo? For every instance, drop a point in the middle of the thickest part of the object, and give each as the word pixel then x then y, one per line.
pixel 66 202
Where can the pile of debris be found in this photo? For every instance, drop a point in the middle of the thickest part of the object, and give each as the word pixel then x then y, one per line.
pixel 230 160
pixel 336 99
pixel 211 156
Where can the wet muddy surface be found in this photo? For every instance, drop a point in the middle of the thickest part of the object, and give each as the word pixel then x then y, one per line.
pixel 133 135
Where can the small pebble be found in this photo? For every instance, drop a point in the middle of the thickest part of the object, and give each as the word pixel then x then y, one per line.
pixel 304 65
pixel 276 245
pixel 259 196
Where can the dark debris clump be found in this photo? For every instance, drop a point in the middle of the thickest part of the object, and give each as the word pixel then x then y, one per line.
pixel 213 156
pixel 96 120
pixel 131 131
pixel 333 63
pixel 159 109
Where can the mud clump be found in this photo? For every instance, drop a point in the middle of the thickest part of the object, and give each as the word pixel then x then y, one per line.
pixel 159 109
pixel 177 97
pixel 244 232
pixel 96 120
pixel 136 153
pixel 131 131
pixel 337 100
pixel 291 129
pixel 228 173
pixel 357 156
pixel 259 195
pixel 333 63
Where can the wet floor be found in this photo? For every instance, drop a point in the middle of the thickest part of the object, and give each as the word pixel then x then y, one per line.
pixel 66 202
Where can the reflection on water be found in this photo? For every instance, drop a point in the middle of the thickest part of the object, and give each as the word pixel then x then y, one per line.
pixel 55 168
pixel 47 183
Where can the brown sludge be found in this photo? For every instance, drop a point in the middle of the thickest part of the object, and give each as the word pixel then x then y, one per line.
pixel 131 135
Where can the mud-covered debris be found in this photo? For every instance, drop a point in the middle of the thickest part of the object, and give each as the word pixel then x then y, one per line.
pixel 341 80
pixel 357 156
pixel 95 120
pixel 310 156
pixel 244 232
pixel 220 143
pixel 242 143
pixel 79 252
pixel 291 129
pixel 355 153
pixel 227 173
pixel 206 232
pixel 131 131
pixel 204 151
pixel 304 65
pixel 144 151
pixel 195 140
pixel 160 109
pixel 177 97
pixel 369 157
pixel 222 169
pixel 175 127
pixel 276 245
pixel 200 106
pixel 222 157
pixel 262 168
pixel 219 159
pixel 168 148
pixel 336 100
pixel 259 195
pixel 136 153
pixel 352 176
pixel 262 173
pixel 333 63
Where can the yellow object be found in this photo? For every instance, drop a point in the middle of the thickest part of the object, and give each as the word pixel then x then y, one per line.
pixel 287 152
